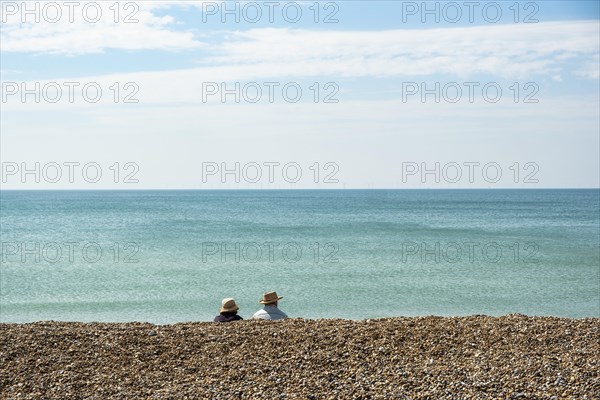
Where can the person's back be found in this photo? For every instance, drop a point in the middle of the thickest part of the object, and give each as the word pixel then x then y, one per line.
pixel 270 311
pixel 228 312
pixel 227 317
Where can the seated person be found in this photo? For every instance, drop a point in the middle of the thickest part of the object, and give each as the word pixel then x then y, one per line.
pixel 228 311
pixel 270 310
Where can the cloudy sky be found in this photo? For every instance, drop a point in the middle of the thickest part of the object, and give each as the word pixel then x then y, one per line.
pixel 347 94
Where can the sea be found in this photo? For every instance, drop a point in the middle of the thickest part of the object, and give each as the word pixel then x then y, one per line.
pixel 171 256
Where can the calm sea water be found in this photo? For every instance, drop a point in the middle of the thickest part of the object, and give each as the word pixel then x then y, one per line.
pixel 168 256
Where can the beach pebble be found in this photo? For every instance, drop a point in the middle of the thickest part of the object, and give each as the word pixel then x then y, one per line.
pixel 477 357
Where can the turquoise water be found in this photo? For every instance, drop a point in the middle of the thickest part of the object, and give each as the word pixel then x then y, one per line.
pixel 168 256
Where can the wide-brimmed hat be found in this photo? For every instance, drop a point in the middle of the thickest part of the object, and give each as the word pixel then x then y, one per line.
pixel 228 305
pixel 269 298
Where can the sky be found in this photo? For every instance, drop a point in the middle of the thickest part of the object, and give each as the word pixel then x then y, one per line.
pixel 299 95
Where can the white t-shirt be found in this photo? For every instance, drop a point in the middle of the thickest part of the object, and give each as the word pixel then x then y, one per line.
pixel 270 312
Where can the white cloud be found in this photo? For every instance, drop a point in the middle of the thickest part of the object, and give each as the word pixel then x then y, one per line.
pixel 504 50
pixel 150 32
pixel 510 51
pixel 284 55
pixel 590 69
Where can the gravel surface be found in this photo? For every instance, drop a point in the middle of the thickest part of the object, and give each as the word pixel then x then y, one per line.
pixel 478 357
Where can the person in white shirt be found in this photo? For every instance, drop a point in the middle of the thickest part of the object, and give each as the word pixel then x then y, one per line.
pixel 270 310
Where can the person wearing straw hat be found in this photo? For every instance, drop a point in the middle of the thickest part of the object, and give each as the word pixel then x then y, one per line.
pixel 228 311
pixel 270 310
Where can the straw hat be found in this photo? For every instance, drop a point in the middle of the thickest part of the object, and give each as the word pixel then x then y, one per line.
pixel 270 298
pixel 228 305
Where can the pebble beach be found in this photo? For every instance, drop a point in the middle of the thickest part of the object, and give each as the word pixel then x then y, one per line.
pixel 477 357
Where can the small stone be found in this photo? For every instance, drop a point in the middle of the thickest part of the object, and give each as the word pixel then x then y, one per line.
pixel 512 357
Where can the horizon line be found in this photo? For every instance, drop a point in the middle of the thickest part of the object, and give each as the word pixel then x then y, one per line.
pixel 288 190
